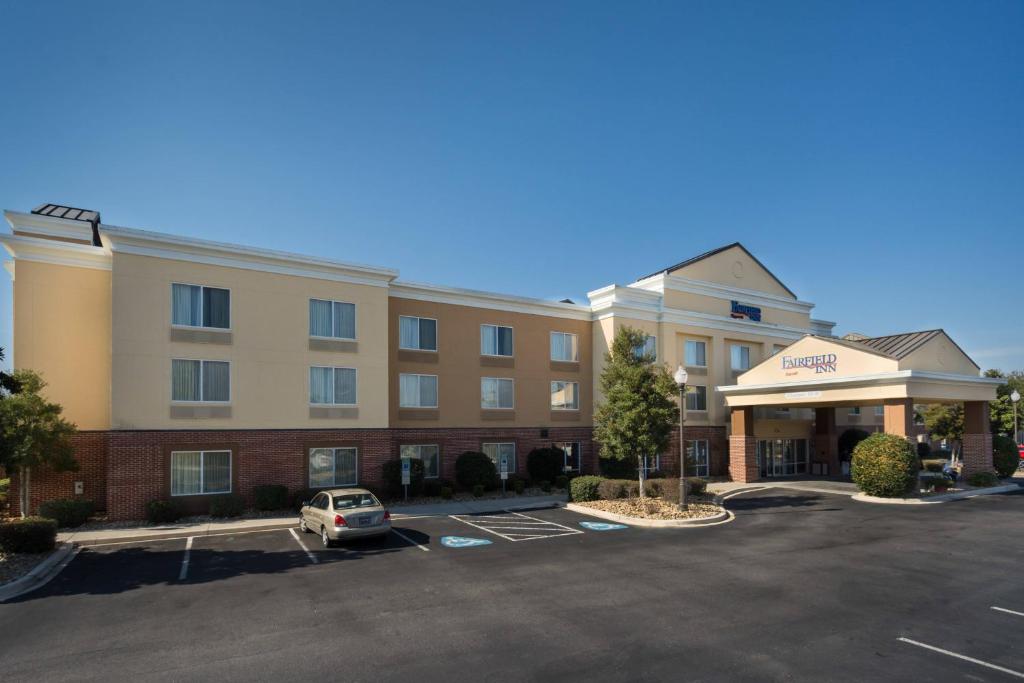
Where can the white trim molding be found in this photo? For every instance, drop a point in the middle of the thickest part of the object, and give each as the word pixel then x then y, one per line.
pixel 895 377
pixel 51 227
pixel 55 252
pixel 663 281
pixel 480 299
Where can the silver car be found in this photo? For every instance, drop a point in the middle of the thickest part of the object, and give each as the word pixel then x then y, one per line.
pixel 344 513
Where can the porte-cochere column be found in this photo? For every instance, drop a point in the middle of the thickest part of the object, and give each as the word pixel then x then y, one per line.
pixel 743 446
pixel 977 446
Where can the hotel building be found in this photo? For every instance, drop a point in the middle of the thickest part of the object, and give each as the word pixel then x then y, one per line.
pixel 194 367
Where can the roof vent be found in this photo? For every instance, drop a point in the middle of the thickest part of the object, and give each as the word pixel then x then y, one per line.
pixel 855 337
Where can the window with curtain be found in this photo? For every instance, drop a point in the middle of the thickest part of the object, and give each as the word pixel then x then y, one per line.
pixel 649 349
pixel 336 386
pixel 697 458
pixel 740 357
pixel 335 319
pixel 696 353
pixel 495 451
pixel 333 467
pixel 497 392
pixel 200 380
pixel 195 473
pixel 430 455
pixel 564 347
pixel 417 334
pixel 199 306
pixel 696 397
pixel 495 340
pixel 417 391
pixel 565 395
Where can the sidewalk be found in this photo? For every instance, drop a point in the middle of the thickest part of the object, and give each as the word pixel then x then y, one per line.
pixel 171 531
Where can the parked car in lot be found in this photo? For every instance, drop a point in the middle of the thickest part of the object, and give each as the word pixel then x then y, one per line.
pixel 340 514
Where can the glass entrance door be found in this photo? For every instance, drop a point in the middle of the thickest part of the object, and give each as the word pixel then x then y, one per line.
pixel 782 457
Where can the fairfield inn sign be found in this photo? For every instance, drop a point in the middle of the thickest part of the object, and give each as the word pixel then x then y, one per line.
pixel 825 362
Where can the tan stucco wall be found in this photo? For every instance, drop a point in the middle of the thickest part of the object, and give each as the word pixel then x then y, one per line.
pixel 687 301
pixel 940 354
pixel 849 362
pixel 733 267
pixel 62 331
pixel 782 429
pixel 460 367
pixel 269 353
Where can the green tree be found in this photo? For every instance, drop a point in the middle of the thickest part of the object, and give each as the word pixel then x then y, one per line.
pixel 1001 410
pixel 639 411
pixel 945 421
pixel 33 433
pixel 8 385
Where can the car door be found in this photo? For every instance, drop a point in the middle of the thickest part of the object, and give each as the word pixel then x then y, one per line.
pixel 312 514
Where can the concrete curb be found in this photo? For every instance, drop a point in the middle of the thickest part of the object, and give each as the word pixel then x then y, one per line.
pixel 639 521
pixel 935 500
pixel 41 574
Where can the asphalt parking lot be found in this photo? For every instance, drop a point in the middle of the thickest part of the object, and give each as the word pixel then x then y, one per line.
pixel 800 586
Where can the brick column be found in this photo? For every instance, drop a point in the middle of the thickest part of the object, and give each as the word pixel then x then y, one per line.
pixel 977 444
pixel 743 446
pixel 826 441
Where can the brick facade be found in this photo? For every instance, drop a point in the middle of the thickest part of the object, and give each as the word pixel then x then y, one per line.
pixel 743 459
pixel 45 484
pixel 977 453
pixel 718 451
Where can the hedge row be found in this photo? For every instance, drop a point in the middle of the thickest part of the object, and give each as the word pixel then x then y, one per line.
pixel 582 489
pixel 28 535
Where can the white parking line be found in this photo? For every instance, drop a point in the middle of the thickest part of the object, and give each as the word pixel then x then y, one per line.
pixel 311 556
pixel 514 526
pixel 184 561
pixel 418 545
pixel 1008 611
pixel 972 660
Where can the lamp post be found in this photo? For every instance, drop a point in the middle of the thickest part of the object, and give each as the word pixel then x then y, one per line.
pixel 1014 397
pixel 680 377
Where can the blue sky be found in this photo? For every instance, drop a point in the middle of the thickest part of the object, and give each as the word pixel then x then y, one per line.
pixel 871 154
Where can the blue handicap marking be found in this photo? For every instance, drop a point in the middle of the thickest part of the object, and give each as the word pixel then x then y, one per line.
pixel 602 526
pixel 462 541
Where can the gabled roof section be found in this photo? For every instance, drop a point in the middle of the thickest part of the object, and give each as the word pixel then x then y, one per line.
pixel 899 346
pixel 708 254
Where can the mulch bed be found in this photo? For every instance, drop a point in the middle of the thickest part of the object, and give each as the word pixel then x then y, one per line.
pixel 653 508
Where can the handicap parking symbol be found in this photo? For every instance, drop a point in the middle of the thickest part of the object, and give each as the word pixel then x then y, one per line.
pixel 462 541
pixel 602 526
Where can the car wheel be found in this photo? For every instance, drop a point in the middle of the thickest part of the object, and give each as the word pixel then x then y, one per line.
pixel 324 538
pixel 302 525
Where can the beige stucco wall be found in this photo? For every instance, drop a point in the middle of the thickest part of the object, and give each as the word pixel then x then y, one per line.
pixel 940 354
pixel 460 367
pixel 734 268
pixel 62 331
pixel 688 301
pixel 849 362
pixel 269 351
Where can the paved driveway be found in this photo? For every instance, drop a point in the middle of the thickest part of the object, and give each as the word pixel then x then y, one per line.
pixel 801 586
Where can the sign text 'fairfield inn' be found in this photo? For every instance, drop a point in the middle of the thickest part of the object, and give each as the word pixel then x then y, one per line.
pixel 825 362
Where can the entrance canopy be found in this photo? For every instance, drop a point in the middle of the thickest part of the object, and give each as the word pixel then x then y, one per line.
pixel 927 367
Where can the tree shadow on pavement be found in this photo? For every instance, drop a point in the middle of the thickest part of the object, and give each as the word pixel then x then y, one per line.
pixel 745 503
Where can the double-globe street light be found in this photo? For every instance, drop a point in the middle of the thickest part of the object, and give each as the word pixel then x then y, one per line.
pixel 1014 397
pixel 680 377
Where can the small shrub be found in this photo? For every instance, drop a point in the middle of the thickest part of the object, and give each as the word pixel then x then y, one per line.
pixel 545 486
pixel 613 468
pixel 518 485
pixel 652 487
pixel 270 497
pixel 655 474
pixel 475 469
pixel 885 465
pixel 1005 456
pixel 561 481
pixel 446 492
pixel 432 487
pixel 545 464
pixel 632 488
pixel 162 512
pixel 478 490
pixel 586 488
pixel 28 535
pixel 983 479
pixel 697 487
pixel 611 489
pixel 933 465
pixel 67 512
pixel 301 496
pixel 391 473
pixel 923 450
pixel 227 505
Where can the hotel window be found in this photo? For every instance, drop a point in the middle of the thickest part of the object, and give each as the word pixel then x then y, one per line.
pixel 417 391
pixel 430 455
pixel 497 392
pixel 776 348
pixel 335 319
pixel 200 380
pixel 199 473
pixel 697 458
pixel 495 340
pixel 740 357
pixel 564 347
pixel 696 397
pixel 565 395
pixel 571 449
pixel 880 411
pixel 333 467
pixel 696 353
pixel 855 410
pixel 332 385
pixel 649 349
pixel 495 451
pixel 198 306
pixel 651 463
pixel 417 334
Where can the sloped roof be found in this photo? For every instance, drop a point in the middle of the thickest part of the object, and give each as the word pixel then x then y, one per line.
pixel 708 254
pixel 900 346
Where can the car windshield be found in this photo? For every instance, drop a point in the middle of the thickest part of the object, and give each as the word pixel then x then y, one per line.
pixel 354 500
